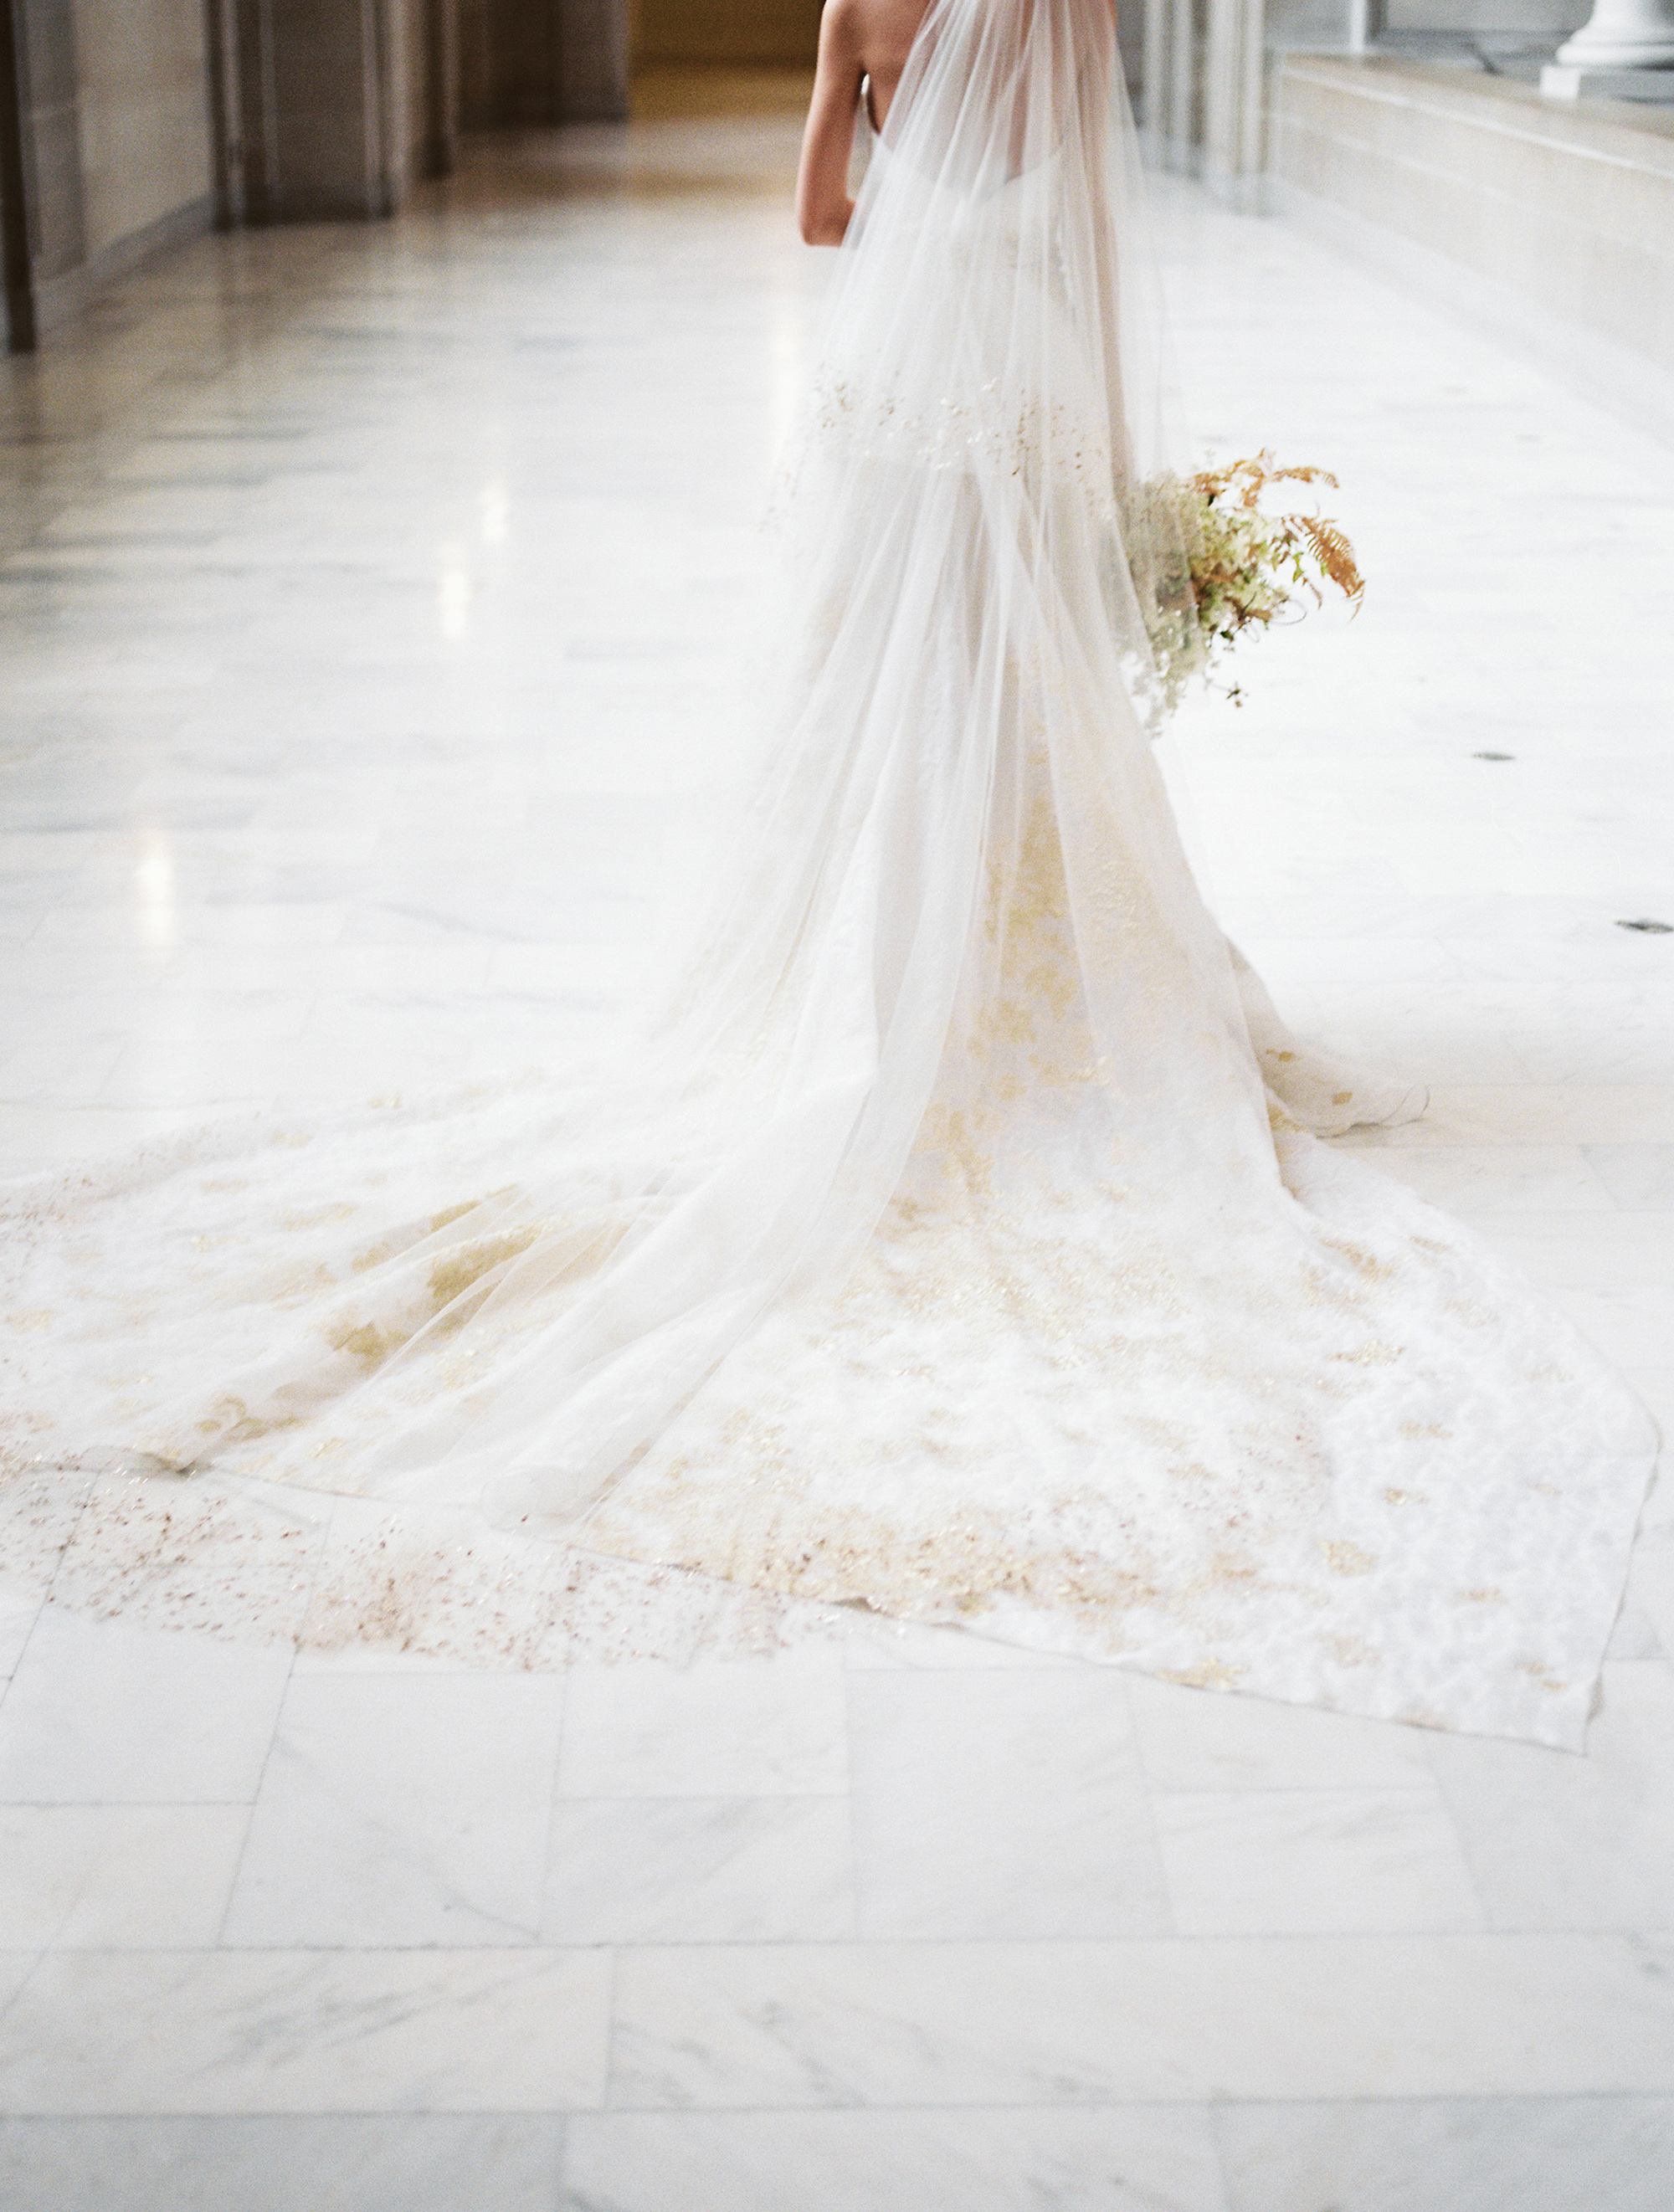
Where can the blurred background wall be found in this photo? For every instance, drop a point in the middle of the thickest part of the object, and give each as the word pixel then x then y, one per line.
pixel 128 125
pixel 748 32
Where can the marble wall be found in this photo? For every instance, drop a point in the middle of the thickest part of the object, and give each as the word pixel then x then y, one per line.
pixel 311 95
pixel 1412 133
pixel 142 115
pixel 144 121
pixel 1550 18
pixel 1201 95
pixel 112 115
pixel 1324 25
pixel 51 136
pixel 1566 207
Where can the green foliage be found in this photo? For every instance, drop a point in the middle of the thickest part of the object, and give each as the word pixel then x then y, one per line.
pixel 1222 562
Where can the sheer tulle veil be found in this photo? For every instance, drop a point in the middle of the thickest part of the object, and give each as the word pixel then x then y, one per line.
pixel 991 384
pixel 953 1239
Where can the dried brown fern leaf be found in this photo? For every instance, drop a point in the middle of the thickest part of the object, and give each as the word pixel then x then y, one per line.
pixel 1304 472
pixel 1254 473
pixel 1332 552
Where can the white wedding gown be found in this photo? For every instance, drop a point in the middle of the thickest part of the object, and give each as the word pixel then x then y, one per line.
pixel 958 1242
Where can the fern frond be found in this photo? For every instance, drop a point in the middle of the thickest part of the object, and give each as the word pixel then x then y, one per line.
pixel 1333 553
pixel 1305 473
pixel 1253 474
pixel 1225 565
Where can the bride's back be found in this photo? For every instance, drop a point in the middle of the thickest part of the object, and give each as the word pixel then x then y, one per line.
pixel 881 33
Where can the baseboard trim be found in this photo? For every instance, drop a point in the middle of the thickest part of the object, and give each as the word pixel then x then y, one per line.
pixel 1636 389
pixel 59 299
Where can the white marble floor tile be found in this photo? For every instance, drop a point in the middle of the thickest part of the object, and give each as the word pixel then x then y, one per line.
pixel 1194 1742
pixel 101 1713
pixel 1498 1178
pixel 1655 1382
pixel 738 2027
pixel 1634 1636
pixel 1651 1583
pixel 19 1610
pixel 1010 1805
pixel 1556 1842
pixel 1139 2158
pixel 1633 1328
pixel 1462 2155
pixel 402 1808
pixel 48 1070
pixel 769 1727
pixel 363 2030
pixel 1291 1862
pixel 447 452
pixel 1480 1113
pixel 699 1870
pixel 1415 1039
pixel 1636 1176
pixel 401 2162
pixel 1595 1251
pixel 875 1645
pixel 117 1877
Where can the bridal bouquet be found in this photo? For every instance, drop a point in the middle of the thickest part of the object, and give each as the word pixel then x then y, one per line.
pixel 1222 561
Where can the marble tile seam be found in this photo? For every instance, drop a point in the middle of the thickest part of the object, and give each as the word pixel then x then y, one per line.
pixel 1325 2016
pixel 1095 1948
pixel 1210 2101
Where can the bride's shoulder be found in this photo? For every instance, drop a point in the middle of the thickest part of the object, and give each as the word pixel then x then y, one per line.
pixel 887 24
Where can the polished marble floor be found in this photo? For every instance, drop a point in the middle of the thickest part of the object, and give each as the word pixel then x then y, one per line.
pixel 373 601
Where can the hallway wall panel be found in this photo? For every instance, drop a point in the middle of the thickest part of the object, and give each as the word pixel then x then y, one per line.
pixel 143 113
pixel 528 63
pixel 722 31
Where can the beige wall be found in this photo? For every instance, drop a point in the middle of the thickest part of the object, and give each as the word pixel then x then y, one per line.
pixel 1324 24
pixel 1536 17
pixel 736 30
pixel 143 113
pixel 1566 205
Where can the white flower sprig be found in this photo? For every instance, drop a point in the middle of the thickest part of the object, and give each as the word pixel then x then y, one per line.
pixel 1223 563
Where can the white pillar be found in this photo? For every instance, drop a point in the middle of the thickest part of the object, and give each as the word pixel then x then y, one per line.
pixel 1154 99
pixel 1623 34
pixel 1366 18
pixel 1180 97
pixel 1234 123
pixel 1172 91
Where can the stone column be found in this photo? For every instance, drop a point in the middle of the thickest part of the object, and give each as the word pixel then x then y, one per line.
pixel 1153 72
pixel 1367 18
pixel 44 234
pixel 336 106
pixel 441 86
pixel 1170 101
pixel 312 87
pixel 538 61
pixel 1234 122
pixel 593 60
pixel 1624 51
pixel 20 325
pixel 221 47
pixel 1185 89
pixel 1623 34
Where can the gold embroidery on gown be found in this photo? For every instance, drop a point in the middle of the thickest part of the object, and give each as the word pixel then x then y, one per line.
pixel 958 1242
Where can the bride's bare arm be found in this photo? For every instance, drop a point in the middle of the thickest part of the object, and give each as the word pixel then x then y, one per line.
pixel 822 204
